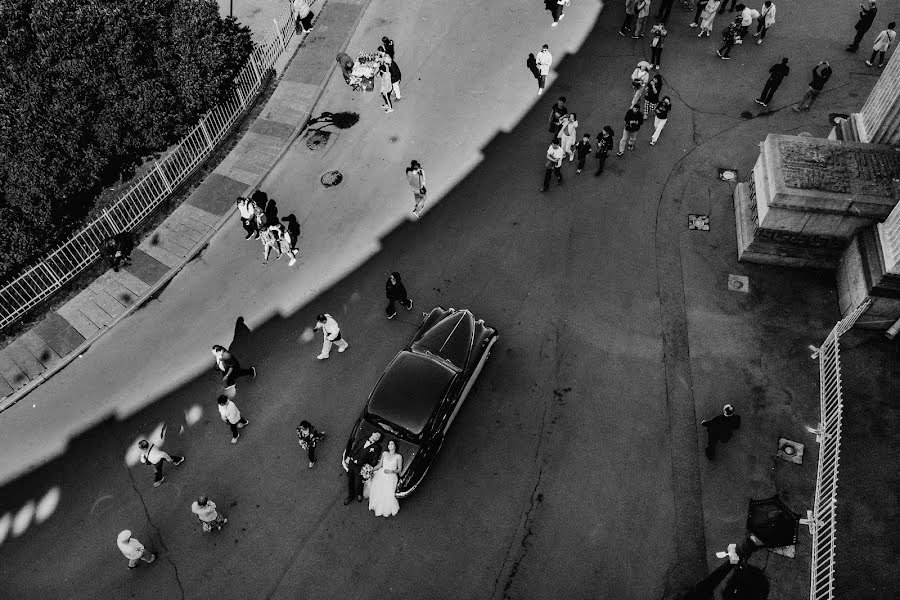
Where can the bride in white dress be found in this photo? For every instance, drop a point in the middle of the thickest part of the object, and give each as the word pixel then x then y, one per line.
pixel 384 483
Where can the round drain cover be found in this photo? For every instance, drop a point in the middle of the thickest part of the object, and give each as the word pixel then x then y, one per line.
pixel 332 178
pixel 728 175
pixel 317 139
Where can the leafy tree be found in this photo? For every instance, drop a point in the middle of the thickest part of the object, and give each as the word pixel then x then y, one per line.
pixel 88 88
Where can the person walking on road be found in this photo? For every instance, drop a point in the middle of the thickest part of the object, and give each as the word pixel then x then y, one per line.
pixel 331 334
pixel 821 73
pixel 660 117
pixel 558 14
pixel 269 240
pixel 634 118
pixel 415 176
pixel 286 243
pixel 777 73
pixel 630 13
pixel 882 44
pixel 388 45
pixel 396 292
pixel 558 111
pixel 643 11
pixel 386 89
pixel 304 15
pixel 154 457
pixel 701 4
pixel 553 166
pixel 210 518
pixel 543 60
pixel 133 550
pixel 720 429
pixel 867 12
pixel 606 139
pixel 652 95
pixel 583 150
pixel 308 438
pixel 729 39
pixel 230 367
pixel 766 20
pixel 658 33
pixel 568 133
pixel 708 17
pixel 229 412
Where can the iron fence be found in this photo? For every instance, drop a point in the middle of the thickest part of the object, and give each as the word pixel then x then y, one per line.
pixel 823 523
pixel 62 265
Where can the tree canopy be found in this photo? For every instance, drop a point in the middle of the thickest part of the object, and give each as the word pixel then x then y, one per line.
pixel 88 88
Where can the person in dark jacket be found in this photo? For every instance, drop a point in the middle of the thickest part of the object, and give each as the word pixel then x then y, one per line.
pixel 606 139
pixel 396 292
pixel 729 38
pixel 308 437
pixel 777 73
pixel 720 429
pixel 634 118
pixel 116 250
pixel 388 45
pixel 557 112
pixel 346 63
pixel 820 76
pixel 395 78
pixel 366 452
pixel 867 14
pixel 582 151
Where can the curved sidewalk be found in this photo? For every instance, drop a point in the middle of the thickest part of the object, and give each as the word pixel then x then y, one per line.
pixel 61 337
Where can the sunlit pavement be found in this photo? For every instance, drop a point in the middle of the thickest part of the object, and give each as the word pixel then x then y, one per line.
pixel 557 478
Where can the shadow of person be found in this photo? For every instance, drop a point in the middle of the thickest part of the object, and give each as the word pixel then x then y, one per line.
pixel 271 210
pixel 531 63
pixel 293 228
pixel 240 337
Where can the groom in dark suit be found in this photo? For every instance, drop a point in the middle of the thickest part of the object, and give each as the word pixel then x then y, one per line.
pixel 363 453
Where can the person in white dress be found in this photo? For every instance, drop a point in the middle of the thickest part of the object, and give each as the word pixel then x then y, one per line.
pixel 568 134
pixel 383 484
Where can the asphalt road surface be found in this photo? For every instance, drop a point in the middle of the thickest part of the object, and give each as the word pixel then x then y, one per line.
pixel 562 477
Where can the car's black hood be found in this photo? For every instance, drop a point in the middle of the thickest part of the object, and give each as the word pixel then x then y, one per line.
pixel 451 338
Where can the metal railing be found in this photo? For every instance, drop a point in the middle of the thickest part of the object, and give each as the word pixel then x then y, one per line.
pixel 66 262
pixel 823 521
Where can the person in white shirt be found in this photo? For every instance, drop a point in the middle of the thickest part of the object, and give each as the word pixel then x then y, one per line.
pixel 133 549
pixel 555 155
pixel 747 16
pixel 229 412
pixel 415 176
pixel 882 43
pixel 154 457
pixel 331 334
pixel 248 216
pixel 766 20
pixel 543 59
pixel 210 518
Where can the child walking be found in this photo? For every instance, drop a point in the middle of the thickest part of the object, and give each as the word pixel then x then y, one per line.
pixel 583 150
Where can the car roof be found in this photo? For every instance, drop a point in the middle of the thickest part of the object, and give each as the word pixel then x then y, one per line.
pixel 409 391
pixel 451 338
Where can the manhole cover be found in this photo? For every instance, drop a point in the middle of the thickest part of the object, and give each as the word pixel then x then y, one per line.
pixel 728 174
pixel 738 283
pixel 317 140
pixel 698 222
pixel 332 178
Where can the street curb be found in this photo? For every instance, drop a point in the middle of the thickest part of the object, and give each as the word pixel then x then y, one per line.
pixel 32 385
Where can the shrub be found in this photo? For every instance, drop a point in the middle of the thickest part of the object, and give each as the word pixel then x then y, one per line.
pixel 88 88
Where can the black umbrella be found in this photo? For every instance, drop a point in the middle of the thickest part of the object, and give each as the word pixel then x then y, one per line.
pixel 772 522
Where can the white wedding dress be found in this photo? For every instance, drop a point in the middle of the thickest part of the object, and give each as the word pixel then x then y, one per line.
pixel 382 487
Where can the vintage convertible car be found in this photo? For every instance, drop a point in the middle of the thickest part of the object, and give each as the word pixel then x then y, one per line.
pixel 423 388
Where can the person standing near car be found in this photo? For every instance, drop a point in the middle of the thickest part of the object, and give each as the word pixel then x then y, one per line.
pixel 362 453
pixel 396 292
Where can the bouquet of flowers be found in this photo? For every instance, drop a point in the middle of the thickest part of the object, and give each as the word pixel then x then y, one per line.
pixel 368 57
pixel 366 472
pixel 304 444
